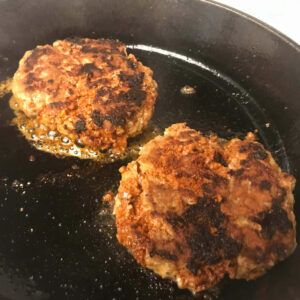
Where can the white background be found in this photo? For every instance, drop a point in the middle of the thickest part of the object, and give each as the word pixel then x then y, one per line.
pixel 284 15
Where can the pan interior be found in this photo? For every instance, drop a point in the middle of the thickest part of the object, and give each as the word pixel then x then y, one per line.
pixel 58 236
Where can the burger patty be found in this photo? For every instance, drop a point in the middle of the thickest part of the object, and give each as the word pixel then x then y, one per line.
pixel 194 208
pixel 85 89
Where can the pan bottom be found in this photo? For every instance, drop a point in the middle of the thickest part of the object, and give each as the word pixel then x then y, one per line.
pixel 58 236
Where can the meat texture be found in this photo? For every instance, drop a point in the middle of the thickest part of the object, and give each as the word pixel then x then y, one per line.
pixel 194 208
pixel 86 89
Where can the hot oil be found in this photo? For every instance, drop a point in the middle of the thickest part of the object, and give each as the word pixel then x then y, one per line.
pixel 5 87
pixel 44 139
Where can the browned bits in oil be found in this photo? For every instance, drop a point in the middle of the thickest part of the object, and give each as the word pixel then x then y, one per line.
pixel 31 158
pixel 108 197
pixel 187 90
pixel 5 87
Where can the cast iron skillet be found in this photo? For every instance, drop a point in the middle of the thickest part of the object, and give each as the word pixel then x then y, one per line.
pixel 57 238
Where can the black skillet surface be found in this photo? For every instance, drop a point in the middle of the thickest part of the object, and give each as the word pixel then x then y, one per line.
pixel 57 238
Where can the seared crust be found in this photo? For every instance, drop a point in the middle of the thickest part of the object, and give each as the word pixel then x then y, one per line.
pixel 86 89
pixel 194 208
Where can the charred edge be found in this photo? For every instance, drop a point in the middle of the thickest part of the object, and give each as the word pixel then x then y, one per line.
pixel 259 255
pixel 220 159
pixel 103 46
pixel 97 51
pixel 279 249
pixel 131 64
pixel 163 253
pixel 80 126
pixel 110 42
pixel 32 59
pixel 272 221
pixel 76 40
pixel 265 185
pixel 89 49
pixel 260 155
pixel 256 150
pixel 134 81
pixel 280 198
pixel 248 146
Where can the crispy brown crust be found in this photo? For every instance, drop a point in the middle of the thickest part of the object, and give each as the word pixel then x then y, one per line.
pixel 86 89
pixel 194 208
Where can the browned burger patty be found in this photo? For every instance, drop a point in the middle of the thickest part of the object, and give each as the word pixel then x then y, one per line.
pixel 85 89
pixel 194 208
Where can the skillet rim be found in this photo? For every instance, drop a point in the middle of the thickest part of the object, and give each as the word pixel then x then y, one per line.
pixel 257 21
